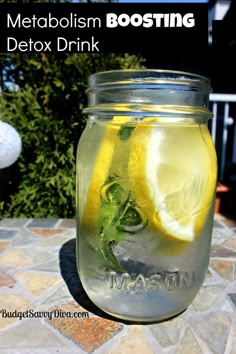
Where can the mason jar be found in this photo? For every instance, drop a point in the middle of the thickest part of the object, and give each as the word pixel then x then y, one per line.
pixel 146 180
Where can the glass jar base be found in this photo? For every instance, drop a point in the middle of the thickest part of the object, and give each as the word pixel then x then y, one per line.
pixel 147 320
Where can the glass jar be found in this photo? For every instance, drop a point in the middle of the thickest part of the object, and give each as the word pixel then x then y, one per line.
pixel 146 179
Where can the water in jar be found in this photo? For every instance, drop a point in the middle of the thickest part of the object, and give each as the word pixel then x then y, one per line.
pixel 145 211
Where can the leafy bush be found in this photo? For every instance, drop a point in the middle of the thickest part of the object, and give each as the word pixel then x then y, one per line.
pixel 46 109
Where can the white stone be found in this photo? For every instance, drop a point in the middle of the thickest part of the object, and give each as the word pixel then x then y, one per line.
pixel 10 145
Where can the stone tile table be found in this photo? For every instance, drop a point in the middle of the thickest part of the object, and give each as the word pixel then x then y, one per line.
pixel 38 274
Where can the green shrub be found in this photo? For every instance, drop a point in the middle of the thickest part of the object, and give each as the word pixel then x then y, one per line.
pixel 46 110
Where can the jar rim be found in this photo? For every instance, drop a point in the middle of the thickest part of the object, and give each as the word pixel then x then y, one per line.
pixel 149 78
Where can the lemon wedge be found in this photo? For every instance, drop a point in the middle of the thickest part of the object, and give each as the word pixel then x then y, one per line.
pixel 172 170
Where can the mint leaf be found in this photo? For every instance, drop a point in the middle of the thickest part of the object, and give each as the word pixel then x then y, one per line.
pixel 119 215
pixel 112 196
pixel 106 248
pixel 125 132
pixel 131 217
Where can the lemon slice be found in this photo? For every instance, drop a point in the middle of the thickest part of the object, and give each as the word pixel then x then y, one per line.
pixel 172 169
pixel 110 143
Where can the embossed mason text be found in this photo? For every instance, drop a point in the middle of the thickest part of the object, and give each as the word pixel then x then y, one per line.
pixel 155 282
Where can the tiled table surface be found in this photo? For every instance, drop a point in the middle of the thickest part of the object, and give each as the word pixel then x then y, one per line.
pixel 37 267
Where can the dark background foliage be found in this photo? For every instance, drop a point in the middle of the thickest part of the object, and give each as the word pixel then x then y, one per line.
pixel 43 97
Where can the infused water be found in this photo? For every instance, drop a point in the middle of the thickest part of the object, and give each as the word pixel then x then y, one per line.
pixel 145 203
